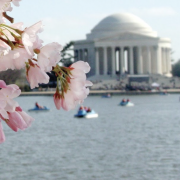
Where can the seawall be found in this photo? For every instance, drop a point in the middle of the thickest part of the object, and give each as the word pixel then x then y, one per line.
pixel 101 92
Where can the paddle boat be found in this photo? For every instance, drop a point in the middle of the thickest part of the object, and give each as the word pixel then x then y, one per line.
pixel 44 108
pixel 126 103
pixel 84 114
pixel 106 96
pixel 163 93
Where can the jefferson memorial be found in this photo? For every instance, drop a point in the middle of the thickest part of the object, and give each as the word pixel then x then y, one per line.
pixel 124 43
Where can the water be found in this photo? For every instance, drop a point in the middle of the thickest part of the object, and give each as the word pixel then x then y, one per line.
pixel 123 143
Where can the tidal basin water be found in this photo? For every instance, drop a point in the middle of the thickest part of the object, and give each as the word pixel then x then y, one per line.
pixel 123 143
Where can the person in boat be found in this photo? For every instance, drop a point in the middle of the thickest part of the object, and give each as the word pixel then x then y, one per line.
pixel 123 101
pixel 85 108
pixel 89 109
pixel 127 100
pixel 81 108
pixel 38 106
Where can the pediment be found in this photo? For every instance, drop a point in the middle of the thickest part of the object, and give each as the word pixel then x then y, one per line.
pixel 127 36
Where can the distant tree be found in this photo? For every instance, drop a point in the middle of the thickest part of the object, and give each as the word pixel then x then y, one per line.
pixel 176 69
pixel 11 76
pixel 67 54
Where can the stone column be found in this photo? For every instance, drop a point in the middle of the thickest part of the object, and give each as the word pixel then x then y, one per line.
pixel 113 62
pixel 149 59
pixel 140 65
pixel 169 68
pixel 131 59
pixel 122 60
pixel 105 61
pixel 158 59
pixel 163 59
pixel 97 61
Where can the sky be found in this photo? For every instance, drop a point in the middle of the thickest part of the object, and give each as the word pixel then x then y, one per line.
pixel 67 20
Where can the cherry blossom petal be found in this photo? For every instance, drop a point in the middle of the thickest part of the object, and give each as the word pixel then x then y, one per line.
pixel 36 76
pixel 68 102
pixel 2 84
pixel 2 136
pixel 57 102
pixel 81 65
pixel 17 120
pixel 27 119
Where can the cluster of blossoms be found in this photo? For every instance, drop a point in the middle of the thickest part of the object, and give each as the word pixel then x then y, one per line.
pixel 22 48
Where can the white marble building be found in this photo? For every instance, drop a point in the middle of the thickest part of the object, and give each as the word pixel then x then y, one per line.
pixel 124 42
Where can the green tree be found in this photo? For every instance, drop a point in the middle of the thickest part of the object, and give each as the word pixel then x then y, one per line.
pixel 176 69
pixel 67 54
pixel 12 76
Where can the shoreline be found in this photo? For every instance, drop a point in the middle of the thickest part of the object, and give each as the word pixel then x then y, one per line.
pixel 102 92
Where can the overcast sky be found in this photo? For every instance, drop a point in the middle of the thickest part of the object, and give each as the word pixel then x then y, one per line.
pixel 66 20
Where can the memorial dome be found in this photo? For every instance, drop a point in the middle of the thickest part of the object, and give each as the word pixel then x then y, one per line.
pixel 120 23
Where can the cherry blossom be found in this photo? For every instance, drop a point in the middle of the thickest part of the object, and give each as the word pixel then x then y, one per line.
pixel 22 48
pixel 10 111
pixel 35 75
pixel 19 120
pixel 76 89
pixel 29 36
pixel 16 2
pixel 49 56
pixel 8 94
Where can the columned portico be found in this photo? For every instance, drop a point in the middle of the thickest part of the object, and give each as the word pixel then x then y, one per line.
pixel 131 46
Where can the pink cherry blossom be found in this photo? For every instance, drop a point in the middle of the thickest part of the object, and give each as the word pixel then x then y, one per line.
pixel 27 119
pixel 49 56
pixel 19 57
pixel 35 75
pixel 78 87
pixel 57 100
pixel 18 25
pixel 5 5
pixel 22 48
pixel 29 36
pixel 3 112
pixel 78 83
pixel 2 84
pixel 8 94
pixel 2 136
pixel 16 121
pixel 68 102
pixel 16 2
pixel 4 46
pixel 19 119
pixel 82 66
pixel 14 59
